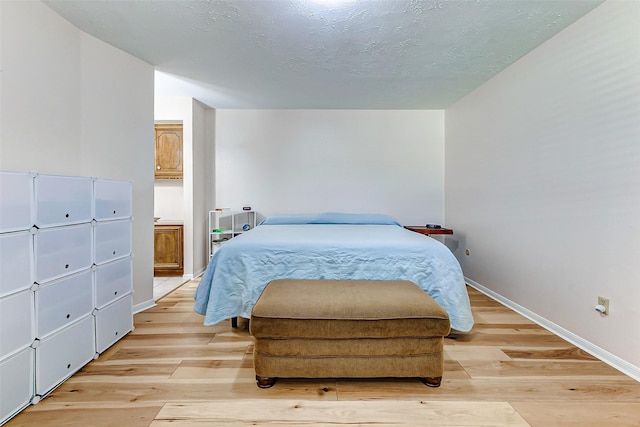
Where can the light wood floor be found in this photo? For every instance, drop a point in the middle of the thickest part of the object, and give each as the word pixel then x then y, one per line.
pixel 172 371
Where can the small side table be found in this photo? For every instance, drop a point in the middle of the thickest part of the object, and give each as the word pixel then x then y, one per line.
pixel 428 231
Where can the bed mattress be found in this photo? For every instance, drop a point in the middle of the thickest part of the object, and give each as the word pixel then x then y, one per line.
pixel 243 266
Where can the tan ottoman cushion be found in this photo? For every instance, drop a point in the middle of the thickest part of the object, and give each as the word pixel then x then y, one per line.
pixel 347 328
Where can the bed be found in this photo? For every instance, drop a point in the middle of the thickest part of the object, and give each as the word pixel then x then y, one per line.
pixel 333 246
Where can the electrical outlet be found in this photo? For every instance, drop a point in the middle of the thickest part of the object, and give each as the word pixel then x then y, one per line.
pixel 605 302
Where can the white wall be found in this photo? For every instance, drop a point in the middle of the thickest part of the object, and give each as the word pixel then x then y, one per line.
pixel 304 161
pixel 40 68
pixel 542 181
pixel 210 160
pixel 168 199
pixel 73 105
pixel 202 174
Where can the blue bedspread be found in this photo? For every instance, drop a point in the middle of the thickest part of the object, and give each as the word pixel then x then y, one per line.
pixel 243 266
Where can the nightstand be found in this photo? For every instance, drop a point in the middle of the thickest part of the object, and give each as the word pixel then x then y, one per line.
pixel 428 231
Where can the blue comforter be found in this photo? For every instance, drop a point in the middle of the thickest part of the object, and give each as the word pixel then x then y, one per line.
pixel 325 249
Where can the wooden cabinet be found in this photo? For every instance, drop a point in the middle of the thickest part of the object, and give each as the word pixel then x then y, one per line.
pixel 168 151
pixel 168 250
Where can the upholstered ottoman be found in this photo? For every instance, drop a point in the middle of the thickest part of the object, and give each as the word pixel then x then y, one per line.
pixel 347 328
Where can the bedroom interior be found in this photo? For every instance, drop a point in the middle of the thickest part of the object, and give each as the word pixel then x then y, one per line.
pixel 521 166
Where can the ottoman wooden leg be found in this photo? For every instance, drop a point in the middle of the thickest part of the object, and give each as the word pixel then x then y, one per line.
pixel 265 382
pixel 431 381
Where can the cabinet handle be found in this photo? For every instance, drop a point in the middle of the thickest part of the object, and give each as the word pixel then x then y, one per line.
pixel 158 167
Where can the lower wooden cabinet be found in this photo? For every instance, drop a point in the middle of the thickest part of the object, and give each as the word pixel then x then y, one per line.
pixel 168 250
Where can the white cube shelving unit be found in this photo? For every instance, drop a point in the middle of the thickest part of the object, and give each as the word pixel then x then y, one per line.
pixel 225 224
pixel 65 279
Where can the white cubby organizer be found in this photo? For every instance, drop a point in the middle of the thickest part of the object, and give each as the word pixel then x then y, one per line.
pixel 224 224
pixel 66 279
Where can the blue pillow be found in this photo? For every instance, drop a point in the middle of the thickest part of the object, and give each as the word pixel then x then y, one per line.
pixel 331 218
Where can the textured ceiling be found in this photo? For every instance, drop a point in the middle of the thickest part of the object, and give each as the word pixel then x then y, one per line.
pixel 349 54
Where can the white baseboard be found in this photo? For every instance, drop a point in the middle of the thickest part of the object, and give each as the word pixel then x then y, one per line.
pixel 143 306
pixel 188 277
pixel 608 358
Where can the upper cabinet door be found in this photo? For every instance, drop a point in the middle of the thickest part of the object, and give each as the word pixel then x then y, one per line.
pixel 112 199
pixel 63 200
pixel 168 150
pixel 16 201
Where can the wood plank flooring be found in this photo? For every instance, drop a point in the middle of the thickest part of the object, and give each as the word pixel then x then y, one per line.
pixel 173 371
